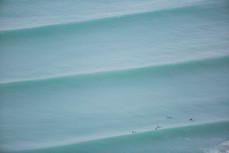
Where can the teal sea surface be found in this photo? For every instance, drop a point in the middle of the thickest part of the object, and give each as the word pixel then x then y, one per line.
pixel 114 76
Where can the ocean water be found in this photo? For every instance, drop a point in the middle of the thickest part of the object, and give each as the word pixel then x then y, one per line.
pixel 114 76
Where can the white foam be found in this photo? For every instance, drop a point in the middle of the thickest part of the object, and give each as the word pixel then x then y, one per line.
pixel 222 148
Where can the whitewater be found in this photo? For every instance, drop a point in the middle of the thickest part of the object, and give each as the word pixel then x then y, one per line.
pixel 110 76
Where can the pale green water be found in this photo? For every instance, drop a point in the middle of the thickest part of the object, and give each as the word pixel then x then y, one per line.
pixel 84 85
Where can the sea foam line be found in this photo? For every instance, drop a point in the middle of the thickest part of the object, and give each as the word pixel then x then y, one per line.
pixel 163 133
pixel 100 19
pixel 163 67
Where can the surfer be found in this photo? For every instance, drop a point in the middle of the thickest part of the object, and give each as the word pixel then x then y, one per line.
pixel 169 117
pixel 157 127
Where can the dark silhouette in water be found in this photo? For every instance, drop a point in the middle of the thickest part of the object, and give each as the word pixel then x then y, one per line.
pixel 157 128
pixel 191 119
pixel 134 132
pixel 169 117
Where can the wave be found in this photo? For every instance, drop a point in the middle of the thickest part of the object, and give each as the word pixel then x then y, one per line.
pixel 194 8
pixel 76 11
pixel 155 69
pixel 221 148
pixel 146 139
pixel 134 41
pixel 106 17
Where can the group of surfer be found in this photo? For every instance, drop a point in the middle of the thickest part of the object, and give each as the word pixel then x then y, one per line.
pixel 168 117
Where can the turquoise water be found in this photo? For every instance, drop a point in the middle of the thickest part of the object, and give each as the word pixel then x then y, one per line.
pixel 100 76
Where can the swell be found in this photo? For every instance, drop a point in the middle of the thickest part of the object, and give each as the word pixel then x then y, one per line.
pixel 156 70
pixel 147 137
pixel 195 8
